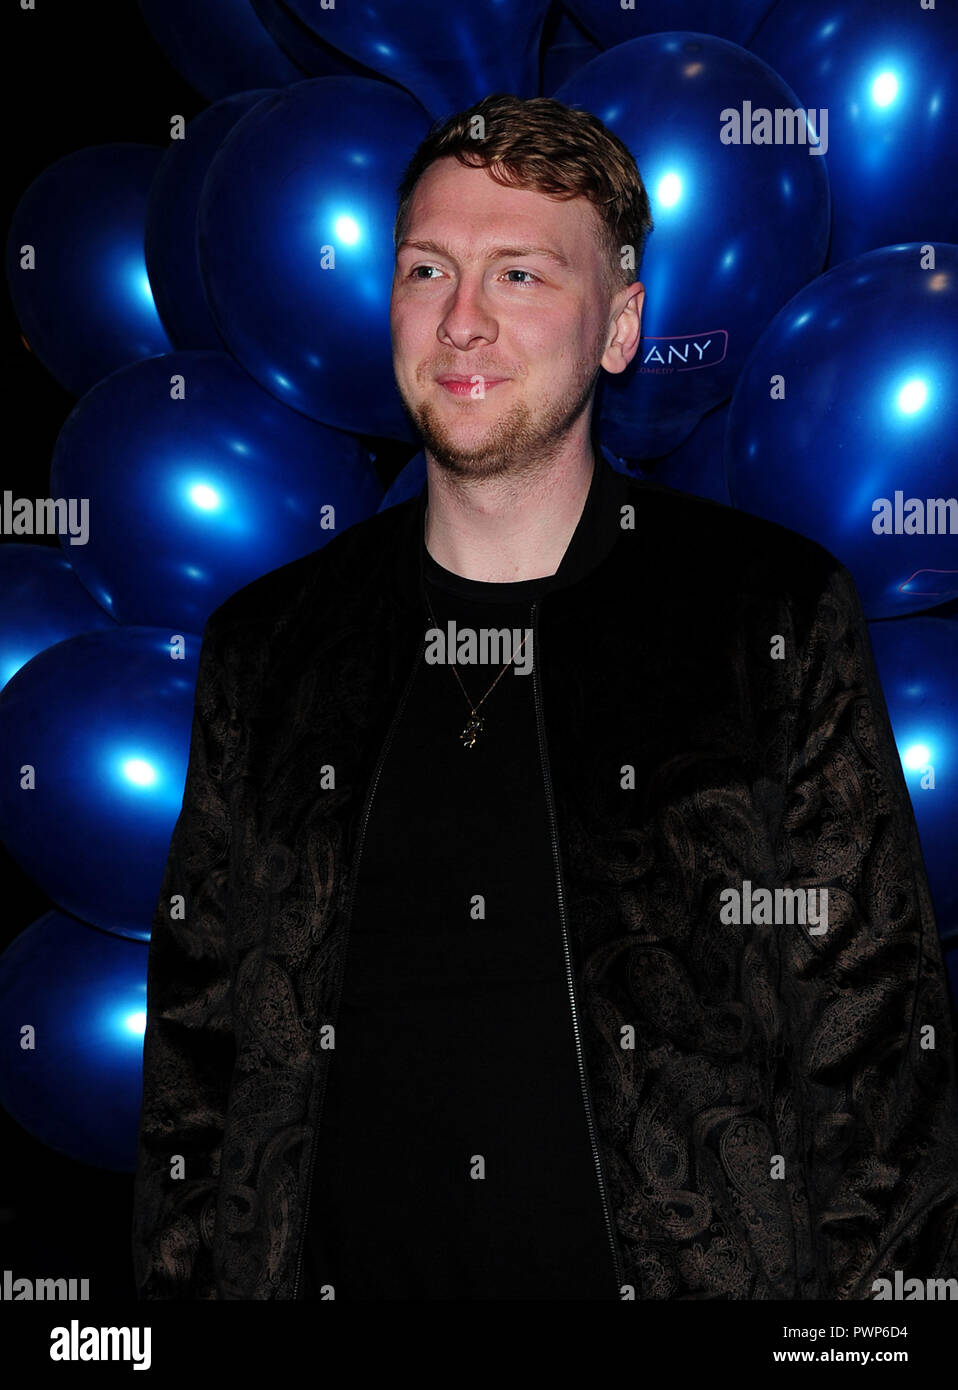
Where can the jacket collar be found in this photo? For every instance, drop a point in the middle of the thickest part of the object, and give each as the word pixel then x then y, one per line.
pixel 595 536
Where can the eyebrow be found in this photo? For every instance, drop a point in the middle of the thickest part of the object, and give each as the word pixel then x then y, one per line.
pixel 497 253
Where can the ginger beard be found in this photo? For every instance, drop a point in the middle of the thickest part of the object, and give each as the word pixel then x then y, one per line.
pixel 516 439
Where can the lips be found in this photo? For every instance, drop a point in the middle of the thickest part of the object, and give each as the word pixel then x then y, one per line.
pixel 465 386
pixel 489 380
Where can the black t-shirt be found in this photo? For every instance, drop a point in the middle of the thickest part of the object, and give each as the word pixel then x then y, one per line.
pixel 453 1157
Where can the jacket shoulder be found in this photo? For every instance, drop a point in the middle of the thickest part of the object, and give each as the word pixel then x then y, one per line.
pixel 726 547
pixel 274 599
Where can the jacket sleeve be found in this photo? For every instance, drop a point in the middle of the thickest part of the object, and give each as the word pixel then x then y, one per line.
pixel 188 1049
pixel 869 1026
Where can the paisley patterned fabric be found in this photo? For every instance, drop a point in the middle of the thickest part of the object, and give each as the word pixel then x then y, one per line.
pixel 776 1107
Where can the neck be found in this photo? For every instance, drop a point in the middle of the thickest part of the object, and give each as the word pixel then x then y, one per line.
pixel 505 530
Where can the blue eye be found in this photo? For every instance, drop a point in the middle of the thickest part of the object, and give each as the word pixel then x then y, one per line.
pixel 533 279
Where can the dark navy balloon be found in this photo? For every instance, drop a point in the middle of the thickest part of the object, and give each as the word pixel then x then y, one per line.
pixel 566 48
pixel 219 46
pixel 951 965
pixel 41 602
pixel 192 498
pixel 87 308
pixel 448 54
pixel 698 465
pixel 103 720
pixel 171 256
pixel 612 23
pixel 917 662
pixel 296 246
pixel 409 482
pixel 738 227
pixel 72 1016
pixel 316 58
pixel 844 420
pixel 885 74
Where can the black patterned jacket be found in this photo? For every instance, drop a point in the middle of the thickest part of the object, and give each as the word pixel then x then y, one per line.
pixel 785 1125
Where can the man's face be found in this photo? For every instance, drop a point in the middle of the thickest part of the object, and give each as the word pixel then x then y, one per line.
pixel 480 296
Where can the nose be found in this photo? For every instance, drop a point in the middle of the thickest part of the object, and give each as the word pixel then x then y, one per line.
pixel 466 317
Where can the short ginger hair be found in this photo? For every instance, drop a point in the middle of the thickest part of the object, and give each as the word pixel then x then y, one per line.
pixel 560 151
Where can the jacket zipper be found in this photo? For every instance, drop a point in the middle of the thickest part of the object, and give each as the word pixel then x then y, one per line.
pixel 570 977
pixel 370 793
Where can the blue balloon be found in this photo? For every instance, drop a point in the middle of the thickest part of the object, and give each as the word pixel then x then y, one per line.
pixel 296 246
pixel 447 55
pixel 885 74
pixel 171 255
pixel 219 46
pixel 41 602
pixel 698 465
pixel 195 497
pixel 87 307
pixel 73 1013
pixel 738 227
pixel 104 721
pixel 917 662
pixel 867 356
pixel 614 23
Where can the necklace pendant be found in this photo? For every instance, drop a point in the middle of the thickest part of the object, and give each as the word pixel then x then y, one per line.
pixel 471 732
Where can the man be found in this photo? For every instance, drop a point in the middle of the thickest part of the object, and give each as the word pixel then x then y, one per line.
pixel 596 963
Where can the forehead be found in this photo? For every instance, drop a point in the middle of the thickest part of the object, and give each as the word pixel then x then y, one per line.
pixel 465 208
